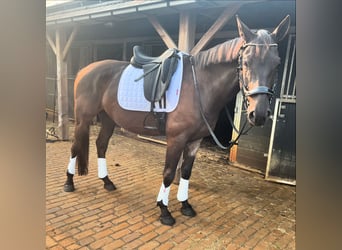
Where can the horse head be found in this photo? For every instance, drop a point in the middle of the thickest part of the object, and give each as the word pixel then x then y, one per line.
pixel 258 62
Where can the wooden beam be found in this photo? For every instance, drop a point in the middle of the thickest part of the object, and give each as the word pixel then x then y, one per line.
pixel 124 51
pixel 52 44
pixel 62 86
pixel 219 23
pixel 162 32
pixel 71 38
pixel 237 120
pixel 187 31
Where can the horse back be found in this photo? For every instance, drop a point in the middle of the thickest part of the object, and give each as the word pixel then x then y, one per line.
pixel 96 76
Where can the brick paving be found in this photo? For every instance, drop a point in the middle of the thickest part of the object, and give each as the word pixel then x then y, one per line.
pixel 236 209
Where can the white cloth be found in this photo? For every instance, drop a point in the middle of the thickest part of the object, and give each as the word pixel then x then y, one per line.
pixel 164 194
pixel 183 190
pixel 131 93
pixel 102 167
pixel 72 165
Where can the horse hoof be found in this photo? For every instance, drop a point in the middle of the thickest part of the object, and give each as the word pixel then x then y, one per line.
pixel 167 220
pixel 69 188
pixel 187 210
pixel 165 217
pixel 109 186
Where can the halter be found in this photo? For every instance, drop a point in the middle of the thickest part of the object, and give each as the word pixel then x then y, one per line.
pixel 244 87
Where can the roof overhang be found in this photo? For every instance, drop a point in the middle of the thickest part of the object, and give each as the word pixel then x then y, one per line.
pixel 124 10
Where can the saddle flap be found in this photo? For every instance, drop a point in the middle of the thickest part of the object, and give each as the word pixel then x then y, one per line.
pixel 158 78
pixel 150 81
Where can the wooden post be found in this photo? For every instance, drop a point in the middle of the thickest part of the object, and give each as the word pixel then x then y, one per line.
pixel 62 86
pixel 61 48
pixel 187 30
pixel 124 51
pixel 237 119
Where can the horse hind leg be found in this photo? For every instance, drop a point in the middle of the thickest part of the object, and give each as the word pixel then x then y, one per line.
pixel 107 128
pixel 79 152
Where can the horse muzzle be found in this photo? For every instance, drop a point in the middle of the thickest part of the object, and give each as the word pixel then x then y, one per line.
pixel 258 110
pixel 257 119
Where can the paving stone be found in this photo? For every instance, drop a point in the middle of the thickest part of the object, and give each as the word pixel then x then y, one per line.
pixel 236 209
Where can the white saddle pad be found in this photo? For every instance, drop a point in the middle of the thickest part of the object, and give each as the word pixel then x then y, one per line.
pixel 131 92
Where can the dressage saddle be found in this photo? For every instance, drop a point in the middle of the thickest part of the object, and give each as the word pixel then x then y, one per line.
pixel 158 72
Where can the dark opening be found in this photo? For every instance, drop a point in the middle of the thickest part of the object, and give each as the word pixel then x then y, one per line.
pixel 223 129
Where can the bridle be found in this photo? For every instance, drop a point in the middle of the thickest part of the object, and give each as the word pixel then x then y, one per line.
pixel 243 86
pixel 245 91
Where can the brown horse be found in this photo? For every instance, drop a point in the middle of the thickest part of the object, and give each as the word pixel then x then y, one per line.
pixel 210 80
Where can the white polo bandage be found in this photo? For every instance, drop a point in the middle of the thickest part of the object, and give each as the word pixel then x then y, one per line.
pixel 102 167
pixel 71 165
pixel 164 194
pixel 183 189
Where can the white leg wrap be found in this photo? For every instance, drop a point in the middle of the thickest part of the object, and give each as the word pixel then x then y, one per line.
pixel 71 165
pixel 102 167
pixel 182 194
pixel 164 194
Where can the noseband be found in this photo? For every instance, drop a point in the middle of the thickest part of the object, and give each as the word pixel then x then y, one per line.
pixel 243 86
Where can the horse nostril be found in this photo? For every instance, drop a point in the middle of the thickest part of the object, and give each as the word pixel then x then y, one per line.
pixel 251 116
pixel 269 113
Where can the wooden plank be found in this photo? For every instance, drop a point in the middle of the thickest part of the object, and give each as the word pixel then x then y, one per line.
pixel 237 119
pixel 219 23
pixel 71 38
pixel 62 86
pixel 52 44
pixel 187 31
pixel 162 32
pixel 124 51
pixel 152 139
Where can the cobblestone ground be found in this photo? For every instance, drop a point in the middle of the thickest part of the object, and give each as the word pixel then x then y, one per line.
pixel 236 209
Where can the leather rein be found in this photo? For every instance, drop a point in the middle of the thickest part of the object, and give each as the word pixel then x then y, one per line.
pixel 245 91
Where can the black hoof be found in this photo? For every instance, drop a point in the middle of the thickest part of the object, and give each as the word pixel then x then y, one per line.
pixel 167 220
pixel 165 217
pixel 109 186
pixel 187 209
pixel 69 188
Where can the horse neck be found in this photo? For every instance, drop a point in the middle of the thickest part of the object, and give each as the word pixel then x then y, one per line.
pixel 218 84
pixel 216 69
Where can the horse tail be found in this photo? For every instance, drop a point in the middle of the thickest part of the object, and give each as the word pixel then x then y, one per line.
pixel 80 147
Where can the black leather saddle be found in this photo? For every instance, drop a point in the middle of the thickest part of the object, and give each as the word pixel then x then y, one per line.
pixel 158 72
pixel 139 58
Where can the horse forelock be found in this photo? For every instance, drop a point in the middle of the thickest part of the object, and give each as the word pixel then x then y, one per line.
pixel 264 38
pixel 221 53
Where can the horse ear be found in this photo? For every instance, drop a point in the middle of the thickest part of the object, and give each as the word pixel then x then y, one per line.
pixel 281 31
pixel 244 32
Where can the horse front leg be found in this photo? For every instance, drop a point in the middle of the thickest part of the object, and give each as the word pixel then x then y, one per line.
pixel 183 188
pixel 173 153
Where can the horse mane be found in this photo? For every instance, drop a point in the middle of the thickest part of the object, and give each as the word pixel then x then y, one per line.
pixel 224 52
